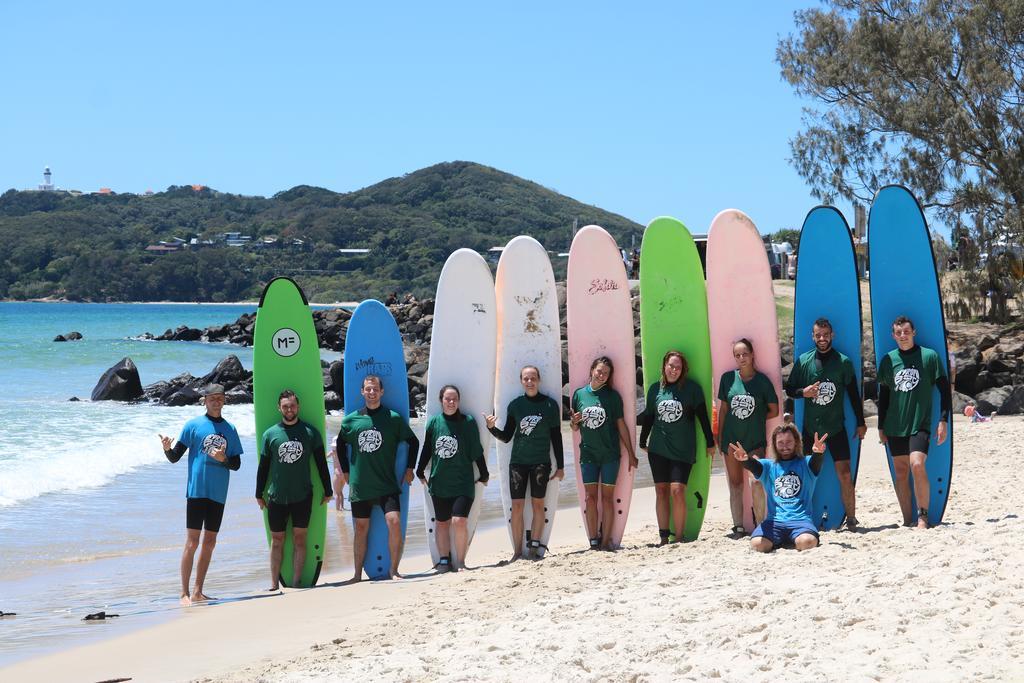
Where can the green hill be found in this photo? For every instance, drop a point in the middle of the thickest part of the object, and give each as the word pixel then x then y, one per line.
pixel 93 247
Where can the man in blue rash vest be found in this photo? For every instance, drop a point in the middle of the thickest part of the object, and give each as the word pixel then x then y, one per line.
pixel 214 451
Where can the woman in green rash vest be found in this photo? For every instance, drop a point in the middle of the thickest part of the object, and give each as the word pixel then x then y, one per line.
pixel 674 405
pixel 532 424
pixel 746 401
pixel 452 442
pixel 597 415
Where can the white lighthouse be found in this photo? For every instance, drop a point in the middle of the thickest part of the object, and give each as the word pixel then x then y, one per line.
pixel 47 185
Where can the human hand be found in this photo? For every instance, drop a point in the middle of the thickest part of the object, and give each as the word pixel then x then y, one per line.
pixel 861 431
pixel 262 503
pixel 218 454
pixel 491 420
pixel 819 443
pixel 559 474
pixel 633 462
pixel 737 451
pixel 882 438
pixel 409 475
pixel 166 441
pixel 941 433
pixel 326 498
pixel 811 391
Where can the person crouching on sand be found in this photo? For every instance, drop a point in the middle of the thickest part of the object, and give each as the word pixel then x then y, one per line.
pixel 789 483
pixel 674 405
pixel 533 425
pixel 452 441
pixel 597 416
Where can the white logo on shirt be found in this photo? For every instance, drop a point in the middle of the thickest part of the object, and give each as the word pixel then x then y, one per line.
pixel 446 447
pixel 528 424
pixel 670 410
pixel 826 392
pixel 742 406
pixel 788 485
pixel 289 452
pixel 214 442
pixel 907 379
pixel 370 440
pixel 593 417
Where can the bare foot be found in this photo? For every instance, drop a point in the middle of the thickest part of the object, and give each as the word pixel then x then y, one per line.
pixel 922 523
pixel 274 589
pixel 199 597
pixel 185 601
pixel 355 579
pixel 395 576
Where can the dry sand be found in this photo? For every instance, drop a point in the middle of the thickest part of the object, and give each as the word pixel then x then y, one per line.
pixel 887 603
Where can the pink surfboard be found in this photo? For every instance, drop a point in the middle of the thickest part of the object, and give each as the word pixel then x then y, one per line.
pixel 741 303
pixel 599 322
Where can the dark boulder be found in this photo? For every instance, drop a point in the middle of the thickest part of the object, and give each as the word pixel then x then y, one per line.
pixel 1014 403
pixel 992 400
pixel 237 395
pixel 337 371
pixel 997 365
pixel 986 342
pixel 870 408
pixel 70 336
pixel 960 401
pixel 119 383
pixel 187 334
pixel 185 396
pixel 228 371
pixel 332 401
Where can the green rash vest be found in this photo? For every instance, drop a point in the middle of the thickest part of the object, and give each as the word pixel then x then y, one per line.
pixel 599 429
pixel 451 445
pixel 669 418
pixel 373 437
pixel 746 409
pixel 910 377
pixel 531 420
pixel 284 467
pixel 823 414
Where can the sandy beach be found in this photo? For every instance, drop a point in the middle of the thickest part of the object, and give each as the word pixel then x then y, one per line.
pixel 886 603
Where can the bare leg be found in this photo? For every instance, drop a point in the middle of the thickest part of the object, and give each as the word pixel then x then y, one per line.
pixel 921 488
pixel 760 501
pixel 608 512
pixel 846 488
pixel 298 554
pixel 276 555
pixel 901 466
pixel 461 525
pixel 518 505
pixel 359 546
pixel 761 544
pixel 661 504
pixel 591 515
pixel 394 522
pixel 678 508
pixel 735 474
pixel 444 543
pixel 205 555
pixel 805 542
pixel 538 516
pixel 187 557
pixel 339 497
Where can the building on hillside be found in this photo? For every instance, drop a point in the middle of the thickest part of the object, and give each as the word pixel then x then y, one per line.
pixel 47 184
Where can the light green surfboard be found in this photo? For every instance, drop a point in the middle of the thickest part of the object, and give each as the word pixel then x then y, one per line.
pixel 286 356
pixel 674 315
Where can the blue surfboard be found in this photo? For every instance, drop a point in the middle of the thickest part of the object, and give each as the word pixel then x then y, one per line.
pixel 373 346
pixel 904 282
pixel 827 287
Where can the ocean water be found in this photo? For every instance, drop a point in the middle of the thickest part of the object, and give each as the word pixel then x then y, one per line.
pixel 91 513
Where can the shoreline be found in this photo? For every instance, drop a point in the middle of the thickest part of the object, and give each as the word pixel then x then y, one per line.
pixel 892 603
pixel 254 304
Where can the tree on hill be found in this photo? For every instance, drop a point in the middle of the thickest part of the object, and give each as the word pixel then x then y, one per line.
pixel 926 93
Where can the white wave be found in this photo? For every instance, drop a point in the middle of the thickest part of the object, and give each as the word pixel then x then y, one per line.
pixel 48 448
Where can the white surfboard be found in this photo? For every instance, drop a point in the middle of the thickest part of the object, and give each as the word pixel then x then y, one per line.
pixel 529 333
pixel 462 353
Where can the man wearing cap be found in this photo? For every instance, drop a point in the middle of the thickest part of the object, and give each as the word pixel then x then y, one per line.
pixel 213 451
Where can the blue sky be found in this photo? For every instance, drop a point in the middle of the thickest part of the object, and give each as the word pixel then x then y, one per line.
pixel 672 108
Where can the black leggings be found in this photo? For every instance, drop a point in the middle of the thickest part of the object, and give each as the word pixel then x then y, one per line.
pixel 446 508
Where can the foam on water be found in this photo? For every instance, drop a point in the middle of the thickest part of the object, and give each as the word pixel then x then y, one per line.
pixel 53 447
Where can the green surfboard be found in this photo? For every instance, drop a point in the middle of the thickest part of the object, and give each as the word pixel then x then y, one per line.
pixel 674 315
pixel 286 355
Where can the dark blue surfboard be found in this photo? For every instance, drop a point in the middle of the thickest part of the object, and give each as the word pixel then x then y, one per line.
pixel 373 345
pixel 904 282
pixel 827 287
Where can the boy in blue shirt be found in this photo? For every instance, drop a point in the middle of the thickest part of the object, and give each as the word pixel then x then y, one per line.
pixel 214 451
pixel 789 482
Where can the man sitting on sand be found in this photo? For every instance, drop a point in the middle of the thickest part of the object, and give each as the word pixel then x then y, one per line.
pixel 284 485
pixel 213 452
pixel 789 482
pixel 374 433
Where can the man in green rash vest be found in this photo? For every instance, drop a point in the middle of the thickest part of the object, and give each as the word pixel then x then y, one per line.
pixel 374 433
pixel 821 376
pixel 906 376
pixel 283 484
